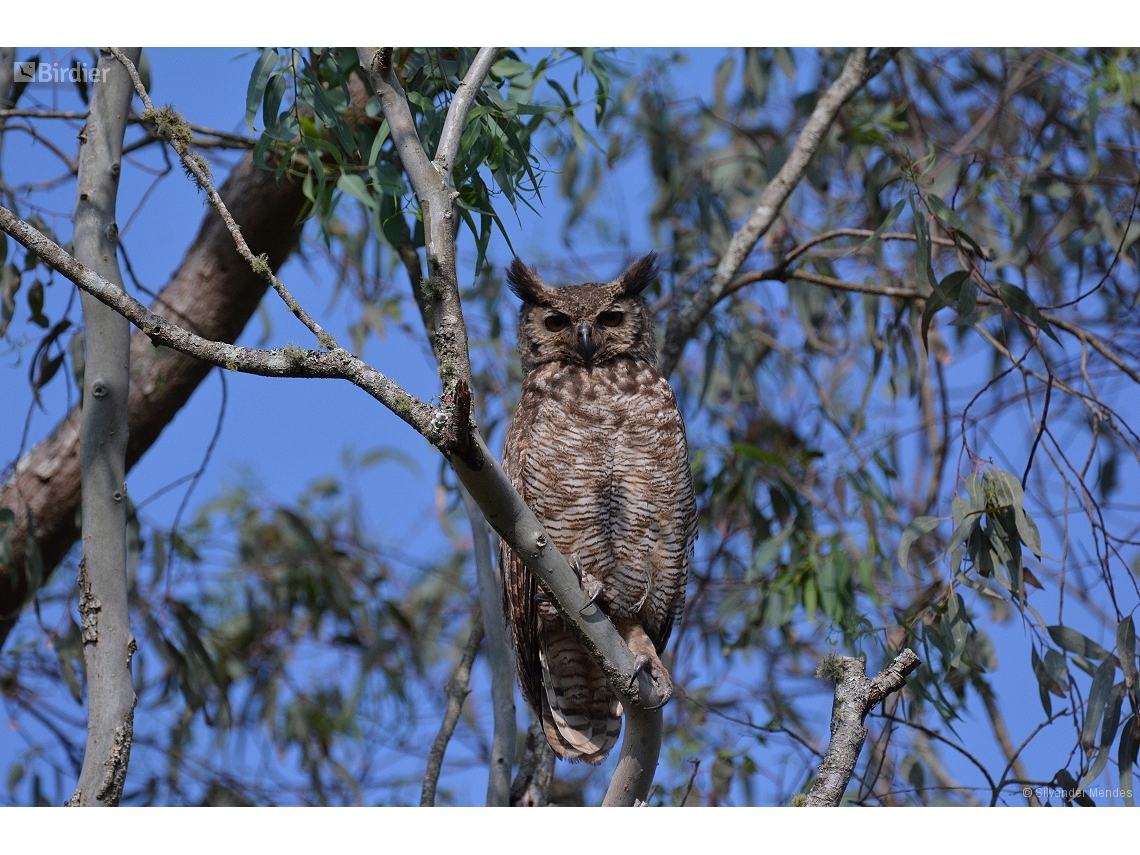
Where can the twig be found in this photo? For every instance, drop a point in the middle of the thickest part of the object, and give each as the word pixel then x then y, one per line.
pixel 696 761
pixel 457 691
pixel 855 696
pixel 1040 431
pixel 499 656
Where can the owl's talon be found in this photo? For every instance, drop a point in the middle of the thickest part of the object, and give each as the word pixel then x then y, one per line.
pixel 641 663
pixel 588 582
pixel 657 673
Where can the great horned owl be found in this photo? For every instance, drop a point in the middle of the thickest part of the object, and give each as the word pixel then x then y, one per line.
pixel 597 450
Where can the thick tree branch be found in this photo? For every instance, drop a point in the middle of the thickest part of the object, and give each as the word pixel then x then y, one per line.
pixel 640 749
pixel 108 644
pixel 213 293
pixel 684 321
pixel 855 696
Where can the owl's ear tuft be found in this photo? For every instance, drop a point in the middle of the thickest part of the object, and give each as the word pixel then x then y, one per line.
pixel 525 284
pixel 638 276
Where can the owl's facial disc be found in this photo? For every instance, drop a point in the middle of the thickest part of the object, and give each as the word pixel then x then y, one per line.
pixel 585 345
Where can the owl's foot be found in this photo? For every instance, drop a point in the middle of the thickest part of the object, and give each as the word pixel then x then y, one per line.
pixel 657 673
pixel 646 660
pixel 589 583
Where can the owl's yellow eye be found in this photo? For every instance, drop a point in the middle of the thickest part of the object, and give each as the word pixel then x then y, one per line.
pixel 611 319
pixel 557 323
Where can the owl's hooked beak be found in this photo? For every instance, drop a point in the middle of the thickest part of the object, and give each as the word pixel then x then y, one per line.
pixel 586 341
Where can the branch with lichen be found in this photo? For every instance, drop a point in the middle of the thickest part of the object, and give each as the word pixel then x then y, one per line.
pixel 431 183
pixel 289 361
pixel 855 696
pixel 172 127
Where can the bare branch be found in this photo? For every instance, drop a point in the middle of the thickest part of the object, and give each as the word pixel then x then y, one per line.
pixel 280 362
pixel 683 322
pixel 457 691
pixel 855 696
pixel 108 644
pixel 177 131
pixel 461 103
pixel 499 656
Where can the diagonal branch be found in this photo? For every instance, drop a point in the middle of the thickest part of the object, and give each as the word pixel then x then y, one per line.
pixel 452 132
pixel 177 131
pixel 279 362
pixel 683 322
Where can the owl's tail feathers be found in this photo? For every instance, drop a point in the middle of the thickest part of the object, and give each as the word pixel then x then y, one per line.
pixel 581 715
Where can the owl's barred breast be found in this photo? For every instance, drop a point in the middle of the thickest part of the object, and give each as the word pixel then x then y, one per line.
pixel 601 458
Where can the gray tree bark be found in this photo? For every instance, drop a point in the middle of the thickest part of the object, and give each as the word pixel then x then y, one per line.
pixel 7 74
pixel 855 696
pixel 108 644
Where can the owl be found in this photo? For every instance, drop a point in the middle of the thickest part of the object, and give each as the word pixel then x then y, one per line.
pixel 597 450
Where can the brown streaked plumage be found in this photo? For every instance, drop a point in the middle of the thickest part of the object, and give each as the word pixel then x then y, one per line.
pixel 597 449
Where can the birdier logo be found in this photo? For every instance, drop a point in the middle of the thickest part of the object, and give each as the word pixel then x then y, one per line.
pixel 31 71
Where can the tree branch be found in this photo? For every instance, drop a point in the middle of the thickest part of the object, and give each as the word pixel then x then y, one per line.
pixel 683 321
pixel 499 656
pixel 458 689
pixel 108 644
pixel 177 131
pixel 431 185
pixel 279 362
pixel 855 696
pixel 452 132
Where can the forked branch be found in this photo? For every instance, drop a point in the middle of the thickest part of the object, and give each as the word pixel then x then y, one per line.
pixel 855 696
